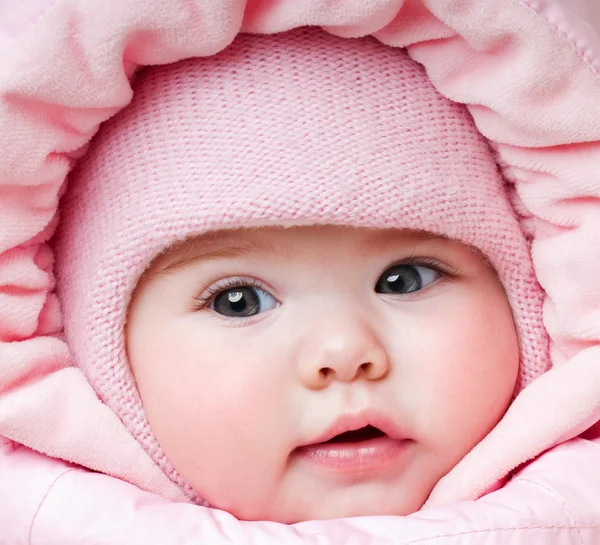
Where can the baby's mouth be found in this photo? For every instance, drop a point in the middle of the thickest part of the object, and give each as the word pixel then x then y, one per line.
pixel 365 433
pixel 355 451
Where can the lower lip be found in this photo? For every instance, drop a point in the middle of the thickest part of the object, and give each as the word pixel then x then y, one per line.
pixel 360 456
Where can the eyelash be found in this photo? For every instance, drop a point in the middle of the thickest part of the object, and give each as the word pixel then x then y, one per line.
pixel 208 294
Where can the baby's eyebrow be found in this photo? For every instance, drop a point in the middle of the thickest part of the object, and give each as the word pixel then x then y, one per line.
pixel 199 251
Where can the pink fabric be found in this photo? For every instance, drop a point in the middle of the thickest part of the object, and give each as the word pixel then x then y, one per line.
pixel 552 501
pixel 205 145
pixel 578 20
pixel 15 22
pixel 533 92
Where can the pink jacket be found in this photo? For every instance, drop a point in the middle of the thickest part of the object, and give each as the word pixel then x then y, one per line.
pixel 529 72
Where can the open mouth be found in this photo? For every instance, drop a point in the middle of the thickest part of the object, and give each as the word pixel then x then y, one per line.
pixel 365 433
pixel 357 450
pixel 357 444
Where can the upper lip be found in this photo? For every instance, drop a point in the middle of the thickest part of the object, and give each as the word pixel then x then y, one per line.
pixel 356 421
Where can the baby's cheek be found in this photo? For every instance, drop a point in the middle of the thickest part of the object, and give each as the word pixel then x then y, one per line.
pixel 221 393
pixel 220 422
pixel 235 397
pixel 206 371
pixel 468 366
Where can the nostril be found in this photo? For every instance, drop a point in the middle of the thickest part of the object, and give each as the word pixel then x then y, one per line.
pixel 366 367
pixel 325 371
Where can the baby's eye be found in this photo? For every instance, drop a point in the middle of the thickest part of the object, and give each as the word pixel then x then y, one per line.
pixel 243 302
pixel 405 278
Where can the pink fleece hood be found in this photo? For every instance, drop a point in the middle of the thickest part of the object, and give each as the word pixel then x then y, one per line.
pixel 293 129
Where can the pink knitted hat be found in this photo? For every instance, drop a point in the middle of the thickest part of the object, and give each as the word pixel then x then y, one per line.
pixel 296 128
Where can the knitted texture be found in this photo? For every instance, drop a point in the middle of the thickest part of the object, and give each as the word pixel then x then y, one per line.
pixel 292 129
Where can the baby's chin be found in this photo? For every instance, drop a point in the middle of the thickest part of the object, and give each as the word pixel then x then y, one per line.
pixel 339 504
pixel 358 509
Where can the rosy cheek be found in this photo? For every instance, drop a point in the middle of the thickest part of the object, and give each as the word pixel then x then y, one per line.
pixel 464 363
pixel 215 378
pixel 229 378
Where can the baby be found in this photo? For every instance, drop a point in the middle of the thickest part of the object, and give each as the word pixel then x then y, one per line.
pixel 293 272
pixel 320 371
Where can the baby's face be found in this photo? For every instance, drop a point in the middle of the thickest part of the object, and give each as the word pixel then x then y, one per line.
pixel 320 372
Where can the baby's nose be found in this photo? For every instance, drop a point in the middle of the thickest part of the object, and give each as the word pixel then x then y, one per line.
pixel 342 350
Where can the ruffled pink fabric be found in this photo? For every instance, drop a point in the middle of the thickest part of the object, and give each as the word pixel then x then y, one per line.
pixel 528 71
pixel 293 129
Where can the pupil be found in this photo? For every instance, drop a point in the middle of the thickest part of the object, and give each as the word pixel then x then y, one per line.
pixel 395 281
pixel 236 299
pixel 238 302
